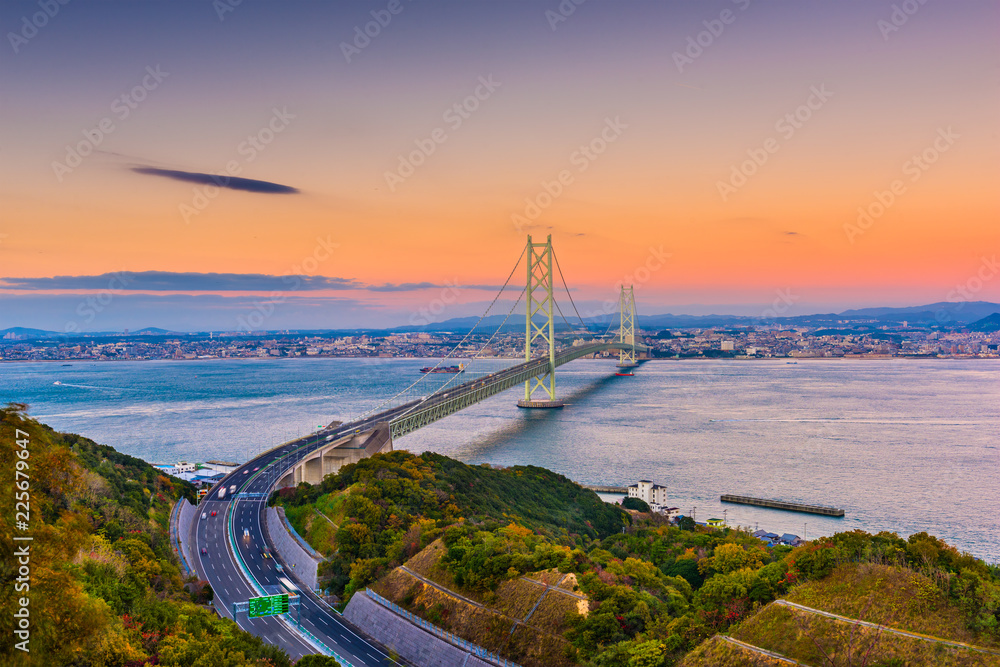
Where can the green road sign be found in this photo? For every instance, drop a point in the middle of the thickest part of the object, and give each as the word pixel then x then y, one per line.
pixel 270 605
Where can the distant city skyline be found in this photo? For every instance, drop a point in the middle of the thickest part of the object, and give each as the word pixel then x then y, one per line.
pixel 189 164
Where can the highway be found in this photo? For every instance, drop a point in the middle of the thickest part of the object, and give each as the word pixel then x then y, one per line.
pixel 219 567
pixel 222 536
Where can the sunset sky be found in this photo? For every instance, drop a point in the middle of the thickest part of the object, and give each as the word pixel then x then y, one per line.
pixel 714 153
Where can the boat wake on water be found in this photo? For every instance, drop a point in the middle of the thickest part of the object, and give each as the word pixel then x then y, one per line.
pixel 87 386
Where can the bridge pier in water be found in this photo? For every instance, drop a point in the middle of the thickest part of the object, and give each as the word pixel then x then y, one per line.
pixel 626 331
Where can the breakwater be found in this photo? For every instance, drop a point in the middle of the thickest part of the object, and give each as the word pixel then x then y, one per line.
pixel 605 489
pixel 782 505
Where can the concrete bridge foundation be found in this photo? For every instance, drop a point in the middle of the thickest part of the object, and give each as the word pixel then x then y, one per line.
pixel 330 458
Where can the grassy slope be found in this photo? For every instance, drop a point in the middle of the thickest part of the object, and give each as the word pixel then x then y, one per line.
pixel 715 652
pixel 893 596
pixel 814 640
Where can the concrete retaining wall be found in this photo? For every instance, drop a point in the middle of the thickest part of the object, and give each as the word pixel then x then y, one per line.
pixel 187 517
pixel 303 565
pixel 411 642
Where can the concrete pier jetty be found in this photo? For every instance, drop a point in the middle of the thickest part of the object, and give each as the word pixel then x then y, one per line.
pixel 605 489
pixel 782 505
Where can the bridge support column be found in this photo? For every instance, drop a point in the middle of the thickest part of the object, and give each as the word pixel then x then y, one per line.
pixel 539 300
pixel 626 329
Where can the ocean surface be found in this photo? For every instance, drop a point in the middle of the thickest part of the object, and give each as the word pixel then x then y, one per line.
pixel 901 445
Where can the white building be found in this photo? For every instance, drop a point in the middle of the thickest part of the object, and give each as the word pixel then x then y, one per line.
pixel 653 494
pixel 222 466
pixel 184 466
pixel 669 512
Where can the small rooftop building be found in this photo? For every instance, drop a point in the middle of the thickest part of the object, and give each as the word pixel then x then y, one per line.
pixel 222 466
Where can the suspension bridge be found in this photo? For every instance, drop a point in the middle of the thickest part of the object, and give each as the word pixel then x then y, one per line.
pixel 415 406
pixel 241 569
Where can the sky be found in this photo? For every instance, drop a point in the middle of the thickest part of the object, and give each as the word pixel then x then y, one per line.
pixel 268 165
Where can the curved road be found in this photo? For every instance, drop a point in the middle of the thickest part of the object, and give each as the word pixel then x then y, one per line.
pixel 233 564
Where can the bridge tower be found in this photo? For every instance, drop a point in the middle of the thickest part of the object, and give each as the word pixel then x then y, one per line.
pixel 539 300
pixel 626 330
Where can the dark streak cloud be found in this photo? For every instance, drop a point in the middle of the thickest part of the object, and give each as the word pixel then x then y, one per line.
pixel 166 281
pixel 222 181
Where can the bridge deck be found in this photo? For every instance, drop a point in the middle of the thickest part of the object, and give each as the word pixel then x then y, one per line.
pixel 411 416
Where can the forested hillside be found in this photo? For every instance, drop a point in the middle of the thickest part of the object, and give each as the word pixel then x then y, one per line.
pixel 653 593
pixel 373 515
pixel 104 588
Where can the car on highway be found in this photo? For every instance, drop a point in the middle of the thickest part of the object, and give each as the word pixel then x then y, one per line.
pixel 232 489
pixel 265 553
pixel 214 512
pixel 256 469
pixel 246 533
pixel 204 516
pixel 204 551
pixel 245 472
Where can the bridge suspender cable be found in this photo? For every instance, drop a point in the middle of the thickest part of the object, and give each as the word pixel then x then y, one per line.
pixel 566 287
pixel 455 348
pixel 485 345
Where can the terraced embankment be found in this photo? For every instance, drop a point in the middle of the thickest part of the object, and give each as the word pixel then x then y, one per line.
pixel 867 613
pixel 523 620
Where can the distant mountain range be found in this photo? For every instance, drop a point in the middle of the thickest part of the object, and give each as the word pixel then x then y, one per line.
pixel 972 315
pixel 944 314
pixel 989 323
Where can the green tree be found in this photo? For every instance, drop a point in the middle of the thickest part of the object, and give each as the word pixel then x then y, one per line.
pixel 316 660
pixel 637 504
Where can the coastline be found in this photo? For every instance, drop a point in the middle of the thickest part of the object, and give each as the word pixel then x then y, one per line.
pixel 789 360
